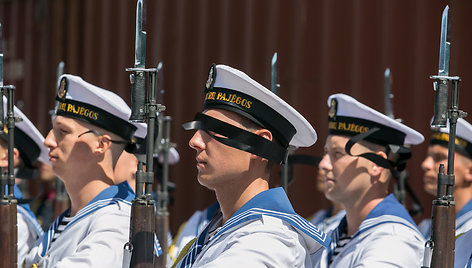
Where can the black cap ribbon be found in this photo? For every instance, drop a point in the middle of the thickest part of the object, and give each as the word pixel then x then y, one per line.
pixel 238 138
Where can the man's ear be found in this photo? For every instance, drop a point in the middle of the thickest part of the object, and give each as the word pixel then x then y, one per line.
pixel 468 172
pixel 266 134
pixel 375 170
pixel 16 156
pixel 4 158
pixel 103 144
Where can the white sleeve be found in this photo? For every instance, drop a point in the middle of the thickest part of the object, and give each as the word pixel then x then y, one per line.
pixel 103 245
pixel 26 238
pixel 392 251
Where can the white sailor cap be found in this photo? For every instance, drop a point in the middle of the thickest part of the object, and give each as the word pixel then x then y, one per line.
pixel 28 140
pixel 233 90
pixel 84 101
pixel 463 137
pixel 349 117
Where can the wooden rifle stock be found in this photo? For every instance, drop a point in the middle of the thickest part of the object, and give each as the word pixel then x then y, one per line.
pixel 142 234
pixel 8 233
pixel 162 230
pixel 8 202
pixel 443 234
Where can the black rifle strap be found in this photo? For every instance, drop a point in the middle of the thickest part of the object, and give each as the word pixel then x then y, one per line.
pixel 238 138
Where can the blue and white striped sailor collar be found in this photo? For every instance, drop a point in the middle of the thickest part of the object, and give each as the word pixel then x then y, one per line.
pixel 120 191
pixel 275 203
pixel 25 210
pixel 116 193
pixel 388 210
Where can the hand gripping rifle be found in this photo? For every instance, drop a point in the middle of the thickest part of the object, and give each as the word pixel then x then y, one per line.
pixel 401 188
pixel 439 250
pixel 139 251
pixel 8 202
pixel 61 200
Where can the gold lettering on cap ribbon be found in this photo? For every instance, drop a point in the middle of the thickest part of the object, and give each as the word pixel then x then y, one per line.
pixel 351 127
pixel 232 98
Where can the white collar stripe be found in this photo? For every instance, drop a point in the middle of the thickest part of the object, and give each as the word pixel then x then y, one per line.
pixel 32 220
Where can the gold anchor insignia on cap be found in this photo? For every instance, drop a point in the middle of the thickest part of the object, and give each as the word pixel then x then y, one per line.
pixel 62 90
pixel 333 108
pixel 211 77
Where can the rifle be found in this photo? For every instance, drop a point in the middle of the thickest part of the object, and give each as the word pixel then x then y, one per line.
pixel 284 176
pixel 8 203
pixel 439 250
pixel 274 86
pixel 401 188
pixel 61 200
pixel 139 251
pixel 163 146
pixel 162 215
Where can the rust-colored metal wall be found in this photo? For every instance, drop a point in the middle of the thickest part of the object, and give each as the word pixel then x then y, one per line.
pixel 324 47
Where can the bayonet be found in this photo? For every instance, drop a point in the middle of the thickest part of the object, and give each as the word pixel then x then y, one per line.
pixel 60 70
pixel 388 96
pixel 140 42
pixel 439 250
pixel 274 85
pixel 444 44
pixel 442 79
pixel 138 77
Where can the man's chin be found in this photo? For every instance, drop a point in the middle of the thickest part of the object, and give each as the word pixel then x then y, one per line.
pixel 430 189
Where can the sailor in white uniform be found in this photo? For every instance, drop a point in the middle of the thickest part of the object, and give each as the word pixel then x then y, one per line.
pixel 28 149
pixel 362 144
pixel 90 130
pixel 436 155
pixel 243 130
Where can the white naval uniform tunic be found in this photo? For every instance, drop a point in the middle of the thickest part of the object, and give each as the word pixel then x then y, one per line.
pixel 463 251
pixel 190 229
pixel 326 222
pixel 463 221
pixel 29 229
pixel 95 236
pixel 388 237
pixel 265 232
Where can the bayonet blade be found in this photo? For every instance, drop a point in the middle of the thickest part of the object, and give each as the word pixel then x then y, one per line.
pixel 444 45
pixel 274 85
pixel 140 44
pixel 60 70
pixel 388 96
